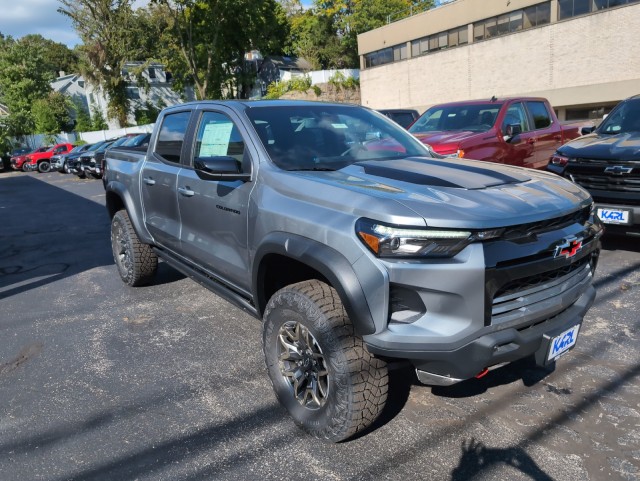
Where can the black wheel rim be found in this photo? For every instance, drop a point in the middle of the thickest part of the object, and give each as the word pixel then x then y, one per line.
pixel 302 365
pixel 120 248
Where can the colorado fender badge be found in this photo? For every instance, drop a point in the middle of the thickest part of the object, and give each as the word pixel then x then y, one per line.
pixel 569 247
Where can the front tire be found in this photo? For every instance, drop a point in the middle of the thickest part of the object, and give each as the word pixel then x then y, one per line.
pixel 44 167
pixel 320 369
pixel 136 262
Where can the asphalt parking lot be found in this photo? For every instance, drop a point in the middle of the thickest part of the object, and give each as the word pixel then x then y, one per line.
pixel 99 381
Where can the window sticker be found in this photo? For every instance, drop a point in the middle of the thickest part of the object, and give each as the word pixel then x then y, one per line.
pixel 215 139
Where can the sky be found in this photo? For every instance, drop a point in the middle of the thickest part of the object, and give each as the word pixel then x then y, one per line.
pixel 23 17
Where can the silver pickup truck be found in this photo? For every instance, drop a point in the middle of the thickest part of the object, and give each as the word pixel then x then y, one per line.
pixel 356 247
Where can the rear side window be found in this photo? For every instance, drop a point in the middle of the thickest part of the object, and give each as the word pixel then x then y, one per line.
pixel 541 117
pixel 171 136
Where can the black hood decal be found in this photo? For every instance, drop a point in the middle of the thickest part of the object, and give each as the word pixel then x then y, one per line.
pixel 455 173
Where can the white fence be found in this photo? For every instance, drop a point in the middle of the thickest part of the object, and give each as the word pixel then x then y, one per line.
pixel 93 137
pixel 321 76
pixel 36 141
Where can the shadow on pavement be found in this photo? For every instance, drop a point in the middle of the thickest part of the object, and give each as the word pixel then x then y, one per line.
pixel 47 234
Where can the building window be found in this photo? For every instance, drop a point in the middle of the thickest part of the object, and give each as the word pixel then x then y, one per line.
pixel 588 113
pixel 399 52
pixel 574 8
pixel 536 15
pixel 529 17
pixel 133 93
pixel 380 57
pixel 152 73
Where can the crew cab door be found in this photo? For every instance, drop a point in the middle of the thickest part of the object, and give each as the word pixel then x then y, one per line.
pixel 159 179
pixel 548 134
pixel 215 213
pixel 519 149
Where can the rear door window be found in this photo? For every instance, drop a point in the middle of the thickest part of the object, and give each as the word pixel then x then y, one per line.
pixel 171 136
pixel 539 114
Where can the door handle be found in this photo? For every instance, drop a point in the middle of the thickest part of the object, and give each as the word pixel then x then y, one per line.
pixel 186 191
pixel 532 140
pixel 148 181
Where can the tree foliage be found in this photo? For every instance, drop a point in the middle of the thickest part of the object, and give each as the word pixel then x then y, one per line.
pixel 52 114
pixel 24 78
pixel 109 35
pixel 212 36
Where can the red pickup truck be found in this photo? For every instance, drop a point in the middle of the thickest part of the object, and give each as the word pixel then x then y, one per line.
pixel 520 131
pixel 40 161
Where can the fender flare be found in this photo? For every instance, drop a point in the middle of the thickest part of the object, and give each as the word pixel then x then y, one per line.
pixel 328 262
pixel 119 190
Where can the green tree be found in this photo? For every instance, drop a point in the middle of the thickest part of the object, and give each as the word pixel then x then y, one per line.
pixel 83 119
pixel 108 32
pixel 212 36
pixel 148 114
pixel 52 114
pixel 57 57
pixel 24 78
pixel 97 120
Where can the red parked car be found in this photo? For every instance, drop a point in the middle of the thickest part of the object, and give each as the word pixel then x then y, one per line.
pixel 40 160
pixel 18 161
pixel 520 131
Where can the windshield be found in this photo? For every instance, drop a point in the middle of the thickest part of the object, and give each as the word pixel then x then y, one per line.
pixel 137 140
pixel 472 118
pixel 96 146
pixel 329 137
pixel 624 118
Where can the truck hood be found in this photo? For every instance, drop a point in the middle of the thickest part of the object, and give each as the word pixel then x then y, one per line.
pixel 605 147
pixel 453 193
pixel 443 141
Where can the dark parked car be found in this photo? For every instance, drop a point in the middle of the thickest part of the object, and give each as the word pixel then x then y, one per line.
pixel 606 162
pixel 90 161
pixel 403 117
pixel 59 162
pixel 74 164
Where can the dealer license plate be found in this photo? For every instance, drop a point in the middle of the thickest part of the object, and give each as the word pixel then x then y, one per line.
pixel 562 343
pixel 614 216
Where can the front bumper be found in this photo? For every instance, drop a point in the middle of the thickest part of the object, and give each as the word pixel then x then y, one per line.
pixel 453 363
pixel 529 295
pixel 29 167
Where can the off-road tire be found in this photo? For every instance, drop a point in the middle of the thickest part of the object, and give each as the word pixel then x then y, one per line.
pixel 357 383
pixel 44 166
pixel 24 167
pixel 136 262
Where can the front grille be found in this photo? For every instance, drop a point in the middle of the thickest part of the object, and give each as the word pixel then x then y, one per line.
pixel 532 228
pixel 590 174
pixel 539 296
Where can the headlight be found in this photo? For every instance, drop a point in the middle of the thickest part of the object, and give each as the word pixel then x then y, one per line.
pixel 394 241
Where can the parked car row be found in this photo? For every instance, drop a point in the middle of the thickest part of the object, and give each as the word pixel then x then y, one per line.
pixel 85 161
pixel 526 132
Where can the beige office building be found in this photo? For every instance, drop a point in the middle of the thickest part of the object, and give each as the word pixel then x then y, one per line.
pixel 583 55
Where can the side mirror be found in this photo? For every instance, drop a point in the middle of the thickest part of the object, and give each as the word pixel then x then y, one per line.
pixel 587 130
pixel 512 130
pixel 221 167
